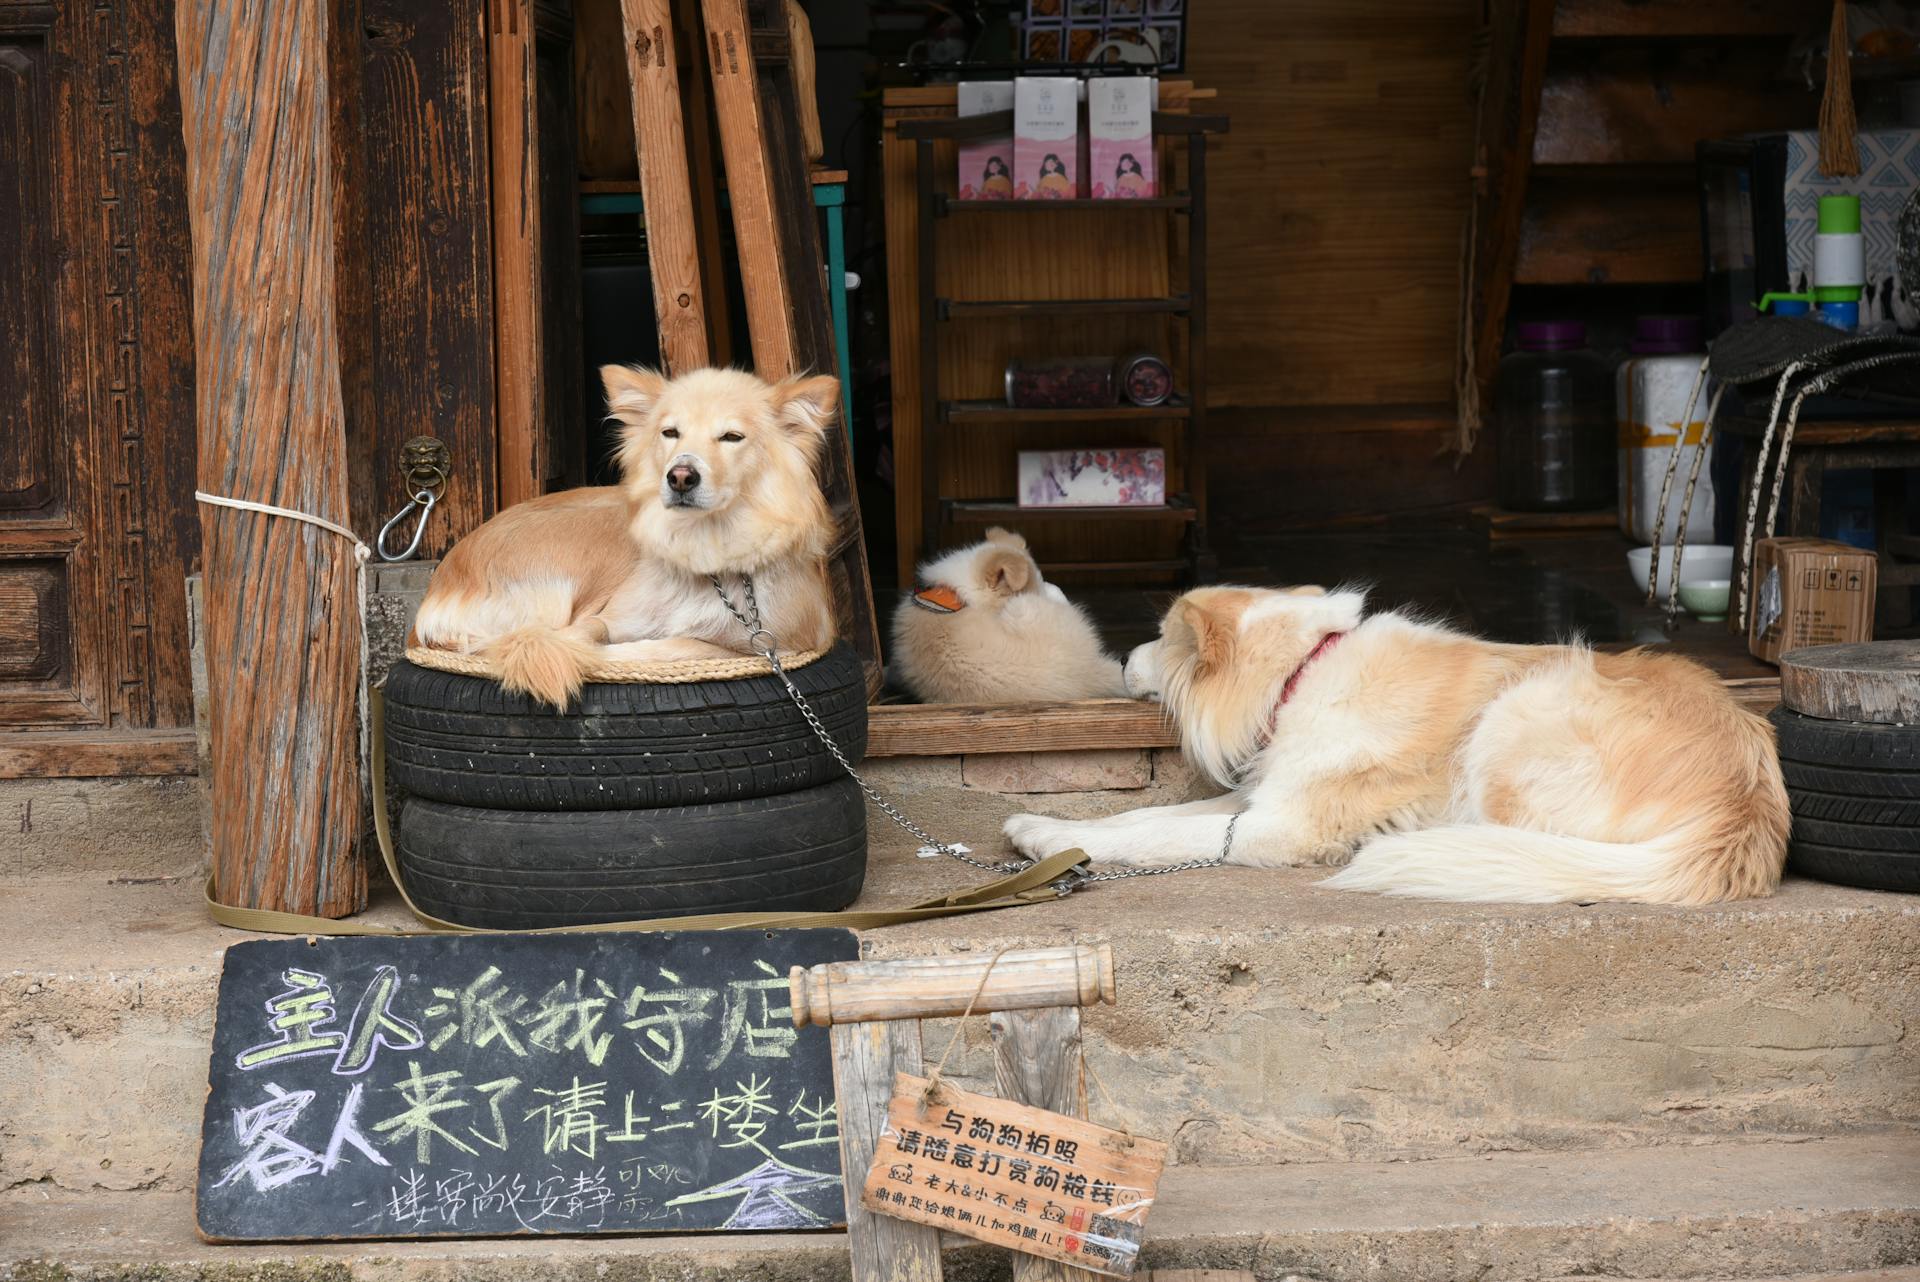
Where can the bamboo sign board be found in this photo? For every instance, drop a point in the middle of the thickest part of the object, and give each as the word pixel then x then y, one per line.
pixel 1010 1175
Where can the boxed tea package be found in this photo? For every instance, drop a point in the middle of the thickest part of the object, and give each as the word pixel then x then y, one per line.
pixel 1120 124
pixel 1046 138
pixel 986 164
pixel 1127 476
pixel 1809 592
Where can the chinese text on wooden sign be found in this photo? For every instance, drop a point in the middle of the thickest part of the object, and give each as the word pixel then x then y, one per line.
pixel 507 1084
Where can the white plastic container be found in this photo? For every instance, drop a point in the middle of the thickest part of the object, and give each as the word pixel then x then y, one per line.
pixel 1650 391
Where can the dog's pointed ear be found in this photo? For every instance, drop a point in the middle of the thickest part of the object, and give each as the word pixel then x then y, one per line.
pixel 808 407
pixel 1007 537
pixel 631 390
pixel 1212 634
pixel 1307 589
pixel 1007 571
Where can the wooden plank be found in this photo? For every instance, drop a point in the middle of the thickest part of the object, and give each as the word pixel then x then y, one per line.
pixel 1504 127
pixel 1637 227
pixel 660 133
pixel 604 96
pixel 1036 1060
pixel 866 1059
pixel 563 384
pixel 763 262
pixel 353 273
pixel 284 718
pixel 696 93
pixel 429 248
pixel 941 729
pixel 1678 19
pixel 514 151
pixel 800 33
pixel 1636 106
pixel 860 992
pixel 84 754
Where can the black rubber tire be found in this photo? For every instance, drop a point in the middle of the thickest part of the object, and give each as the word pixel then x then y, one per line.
pixel 1867 869
pixel 1801 777
pixel 1884 811
pixel 1845 743
pixel 512 869
pixel 626 746
pixel 1901 839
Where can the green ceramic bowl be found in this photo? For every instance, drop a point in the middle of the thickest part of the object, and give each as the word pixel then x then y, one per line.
pixel 1706 599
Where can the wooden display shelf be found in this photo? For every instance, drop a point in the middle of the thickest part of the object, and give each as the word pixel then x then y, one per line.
pixel 945 205
pixel 992 511
pixel 957 309
pixel 959 413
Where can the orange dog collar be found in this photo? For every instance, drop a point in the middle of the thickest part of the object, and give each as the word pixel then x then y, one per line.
pixel 940 599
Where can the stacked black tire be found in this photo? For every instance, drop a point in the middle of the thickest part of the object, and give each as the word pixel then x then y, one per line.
pixel 1855 792
pixel 639 801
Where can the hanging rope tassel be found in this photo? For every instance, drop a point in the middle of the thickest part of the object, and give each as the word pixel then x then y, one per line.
pixel 1686 502
pixel 1666 485
pixel 1838 154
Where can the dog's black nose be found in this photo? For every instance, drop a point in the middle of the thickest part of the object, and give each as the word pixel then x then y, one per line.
pixel 681 478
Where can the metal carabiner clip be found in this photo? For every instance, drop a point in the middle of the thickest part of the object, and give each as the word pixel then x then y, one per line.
pixel 422 499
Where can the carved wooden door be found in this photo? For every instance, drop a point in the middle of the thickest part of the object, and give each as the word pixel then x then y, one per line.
pixel 96 373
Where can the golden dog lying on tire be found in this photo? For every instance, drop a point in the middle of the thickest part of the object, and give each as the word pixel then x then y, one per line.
pixel 1439 765
pixel 718 479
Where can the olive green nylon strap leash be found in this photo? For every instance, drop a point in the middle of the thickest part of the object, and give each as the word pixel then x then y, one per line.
pixel 1051 878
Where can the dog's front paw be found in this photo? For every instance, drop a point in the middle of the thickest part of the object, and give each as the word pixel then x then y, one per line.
pixel 1037 836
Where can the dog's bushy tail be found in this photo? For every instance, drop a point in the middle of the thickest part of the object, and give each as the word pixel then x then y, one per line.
pixel 1489 863
pixel 546 662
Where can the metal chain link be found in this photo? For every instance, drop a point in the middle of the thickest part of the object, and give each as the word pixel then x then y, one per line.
pixel 761 641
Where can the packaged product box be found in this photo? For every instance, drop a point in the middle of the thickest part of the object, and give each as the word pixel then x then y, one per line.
pixel 1128 476
pixel 1046 138
pixel 1120 124
pixel 1809 592
pixel 986 164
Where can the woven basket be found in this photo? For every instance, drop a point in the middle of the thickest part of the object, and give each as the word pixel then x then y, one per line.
pixel 679 672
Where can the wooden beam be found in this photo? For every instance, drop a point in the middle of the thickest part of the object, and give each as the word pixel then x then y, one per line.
pixel 1688 19
pixel 866 1058
pixel 1505 123
pixel 660 140
pixel 514 152
pixel 944 729
pixel 86 754
pixel 743 146
pixel 1037 1060
pixel 1639 106
pixel 283 615
pixel 1634 227
pixel 859 992
pixel 800 33
pixel 696 101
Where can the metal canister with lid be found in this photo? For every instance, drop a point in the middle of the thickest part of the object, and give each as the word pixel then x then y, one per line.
pixel 1066 383
pixel 1145 379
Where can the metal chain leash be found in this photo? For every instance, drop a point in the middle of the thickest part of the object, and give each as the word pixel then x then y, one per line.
pixel 761 642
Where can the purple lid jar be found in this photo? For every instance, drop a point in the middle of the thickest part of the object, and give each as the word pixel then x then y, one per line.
pixel 1552 336
pixel 1666 336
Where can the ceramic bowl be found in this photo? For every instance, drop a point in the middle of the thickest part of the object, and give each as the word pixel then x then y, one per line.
pixel 1704 563
pixel 1705 599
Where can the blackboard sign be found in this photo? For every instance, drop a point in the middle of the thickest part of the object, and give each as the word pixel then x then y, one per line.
pixel 430 1086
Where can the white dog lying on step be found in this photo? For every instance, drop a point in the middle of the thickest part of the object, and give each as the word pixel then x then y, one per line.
pixel 1442 765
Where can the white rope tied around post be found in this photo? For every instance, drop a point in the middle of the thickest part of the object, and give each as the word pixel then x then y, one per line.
pixel 361 555
pixel 1745 551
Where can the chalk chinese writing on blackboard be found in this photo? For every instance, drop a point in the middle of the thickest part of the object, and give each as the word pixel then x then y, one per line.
pixel 583 1083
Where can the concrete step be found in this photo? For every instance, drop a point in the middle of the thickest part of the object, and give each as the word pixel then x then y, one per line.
pixel 1261 1020
pixel 1729 1210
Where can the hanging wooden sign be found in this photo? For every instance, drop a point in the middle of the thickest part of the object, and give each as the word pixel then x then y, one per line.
pixel 1014 1176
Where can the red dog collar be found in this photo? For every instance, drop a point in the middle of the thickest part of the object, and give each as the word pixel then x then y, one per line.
pixel 1327 643
pixel 940 599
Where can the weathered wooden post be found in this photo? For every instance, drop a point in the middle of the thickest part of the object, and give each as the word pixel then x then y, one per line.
pixel 873 1010
pixel 283 614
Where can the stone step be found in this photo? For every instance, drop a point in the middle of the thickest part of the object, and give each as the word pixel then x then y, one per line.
pixel 1727 1210
pixel 1261 1020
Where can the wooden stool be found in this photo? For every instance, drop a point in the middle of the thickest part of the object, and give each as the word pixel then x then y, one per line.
pixel 1880 445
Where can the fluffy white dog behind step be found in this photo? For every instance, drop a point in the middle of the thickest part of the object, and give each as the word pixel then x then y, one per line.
pixel 985 627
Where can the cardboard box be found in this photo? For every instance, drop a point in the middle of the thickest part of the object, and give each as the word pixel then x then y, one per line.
pixel 1120 123
pixel 986 164
pixel 1046 138
pixel 1809 592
